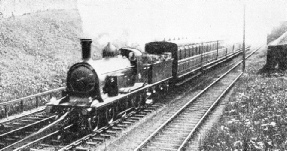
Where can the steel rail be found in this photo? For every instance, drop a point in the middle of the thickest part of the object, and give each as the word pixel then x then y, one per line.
pixel 18 130
pixel 148 139
pixel 41 139
pixel 27 126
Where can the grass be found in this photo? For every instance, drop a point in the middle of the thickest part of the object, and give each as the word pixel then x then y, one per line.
pixel 36 51
pixel 255 117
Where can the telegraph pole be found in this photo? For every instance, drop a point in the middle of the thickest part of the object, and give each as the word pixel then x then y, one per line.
pixel 243 45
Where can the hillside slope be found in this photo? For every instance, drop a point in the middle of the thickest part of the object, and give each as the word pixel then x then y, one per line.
pixel 282 40
pixel 36 51
pixel 277 31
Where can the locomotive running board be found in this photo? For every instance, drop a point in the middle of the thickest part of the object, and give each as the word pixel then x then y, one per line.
pixel 188 79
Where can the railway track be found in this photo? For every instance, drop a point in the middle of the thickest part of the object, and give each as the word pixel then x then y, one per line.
pixel 20 118
pixel 13 131
pixel 57 139
pixel 178 129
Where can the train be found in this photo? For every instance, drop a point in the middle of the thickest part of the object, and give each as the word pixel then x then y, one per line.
pixel 99 92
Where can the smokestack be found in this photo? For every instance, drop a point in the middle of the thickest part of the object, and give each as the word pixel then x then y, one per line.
pixel 86 49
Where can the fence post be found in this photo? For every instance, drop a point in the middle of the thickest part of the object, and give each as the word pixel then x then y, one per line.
pixel 37 101
pixel 21 106
pixel 6 110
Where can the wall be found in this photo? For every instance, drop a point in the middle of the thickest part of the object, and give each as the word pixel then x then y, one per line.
pixel 9 8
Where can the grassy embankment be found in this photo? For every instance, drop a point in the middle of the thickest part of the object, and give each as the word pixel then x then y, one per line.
pixel 36 51
pixel 255 117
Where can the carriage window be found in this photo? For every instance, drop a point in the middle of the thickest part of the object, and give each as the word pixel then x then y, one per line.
pixel 182 53
pixel 179 54
pixel 210 47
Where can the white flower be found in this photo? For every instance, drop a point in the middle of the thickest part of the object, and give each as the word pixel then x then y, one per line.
pixel 273 124
pixel 237 143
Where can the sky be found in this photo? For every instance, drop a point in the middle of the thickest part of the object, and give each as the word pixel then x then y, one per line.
pixel 135 22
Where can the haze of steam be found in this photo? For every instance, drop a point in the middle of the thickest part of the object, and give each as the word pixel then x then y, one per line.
pixel 135 22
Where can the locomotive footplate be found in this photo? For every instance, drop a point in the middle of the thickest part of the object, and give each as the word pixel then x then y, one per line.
pixel 130 89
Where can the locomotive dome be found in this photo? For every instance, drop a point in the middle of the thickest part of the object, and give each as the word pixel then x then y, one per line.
pixel 110 51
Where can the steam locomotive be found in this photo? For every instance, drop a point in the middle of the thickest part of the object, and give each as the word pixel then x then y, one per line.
pixel 100 91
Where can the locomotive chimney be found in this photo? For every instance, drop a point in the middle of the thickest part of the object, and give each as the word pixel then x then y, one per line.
pixel 86 49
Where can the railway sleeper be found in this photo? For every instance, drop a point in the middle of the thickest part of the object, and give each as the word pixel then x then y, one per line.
pixel 177 130
pixel 17 123
pixel 164 144
pixel 189 118
pixel 152 148
pixel 143 113
pixel 28 132
pixel 193 109
pixel 34 149
pixel 41 116
pixel 139 115
pixel 7 126
pixel 10 139
pixel 27 120
pixel 115 129
pixel 106 136
pixel 122 125
pixel 127 122
pixel 79 148
pixel 186 123
pixel 56 141
pixel 98 138
pixel 155 106
pixel 182 127
pixel 32 119
pixel 45 145
pixel 18 137
pixel 112 132
pixel 170 141
pixel 93 143
pixel 134 118
pixel 131 120
pixel 148 110
pixel 118 128
pixel 168 137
